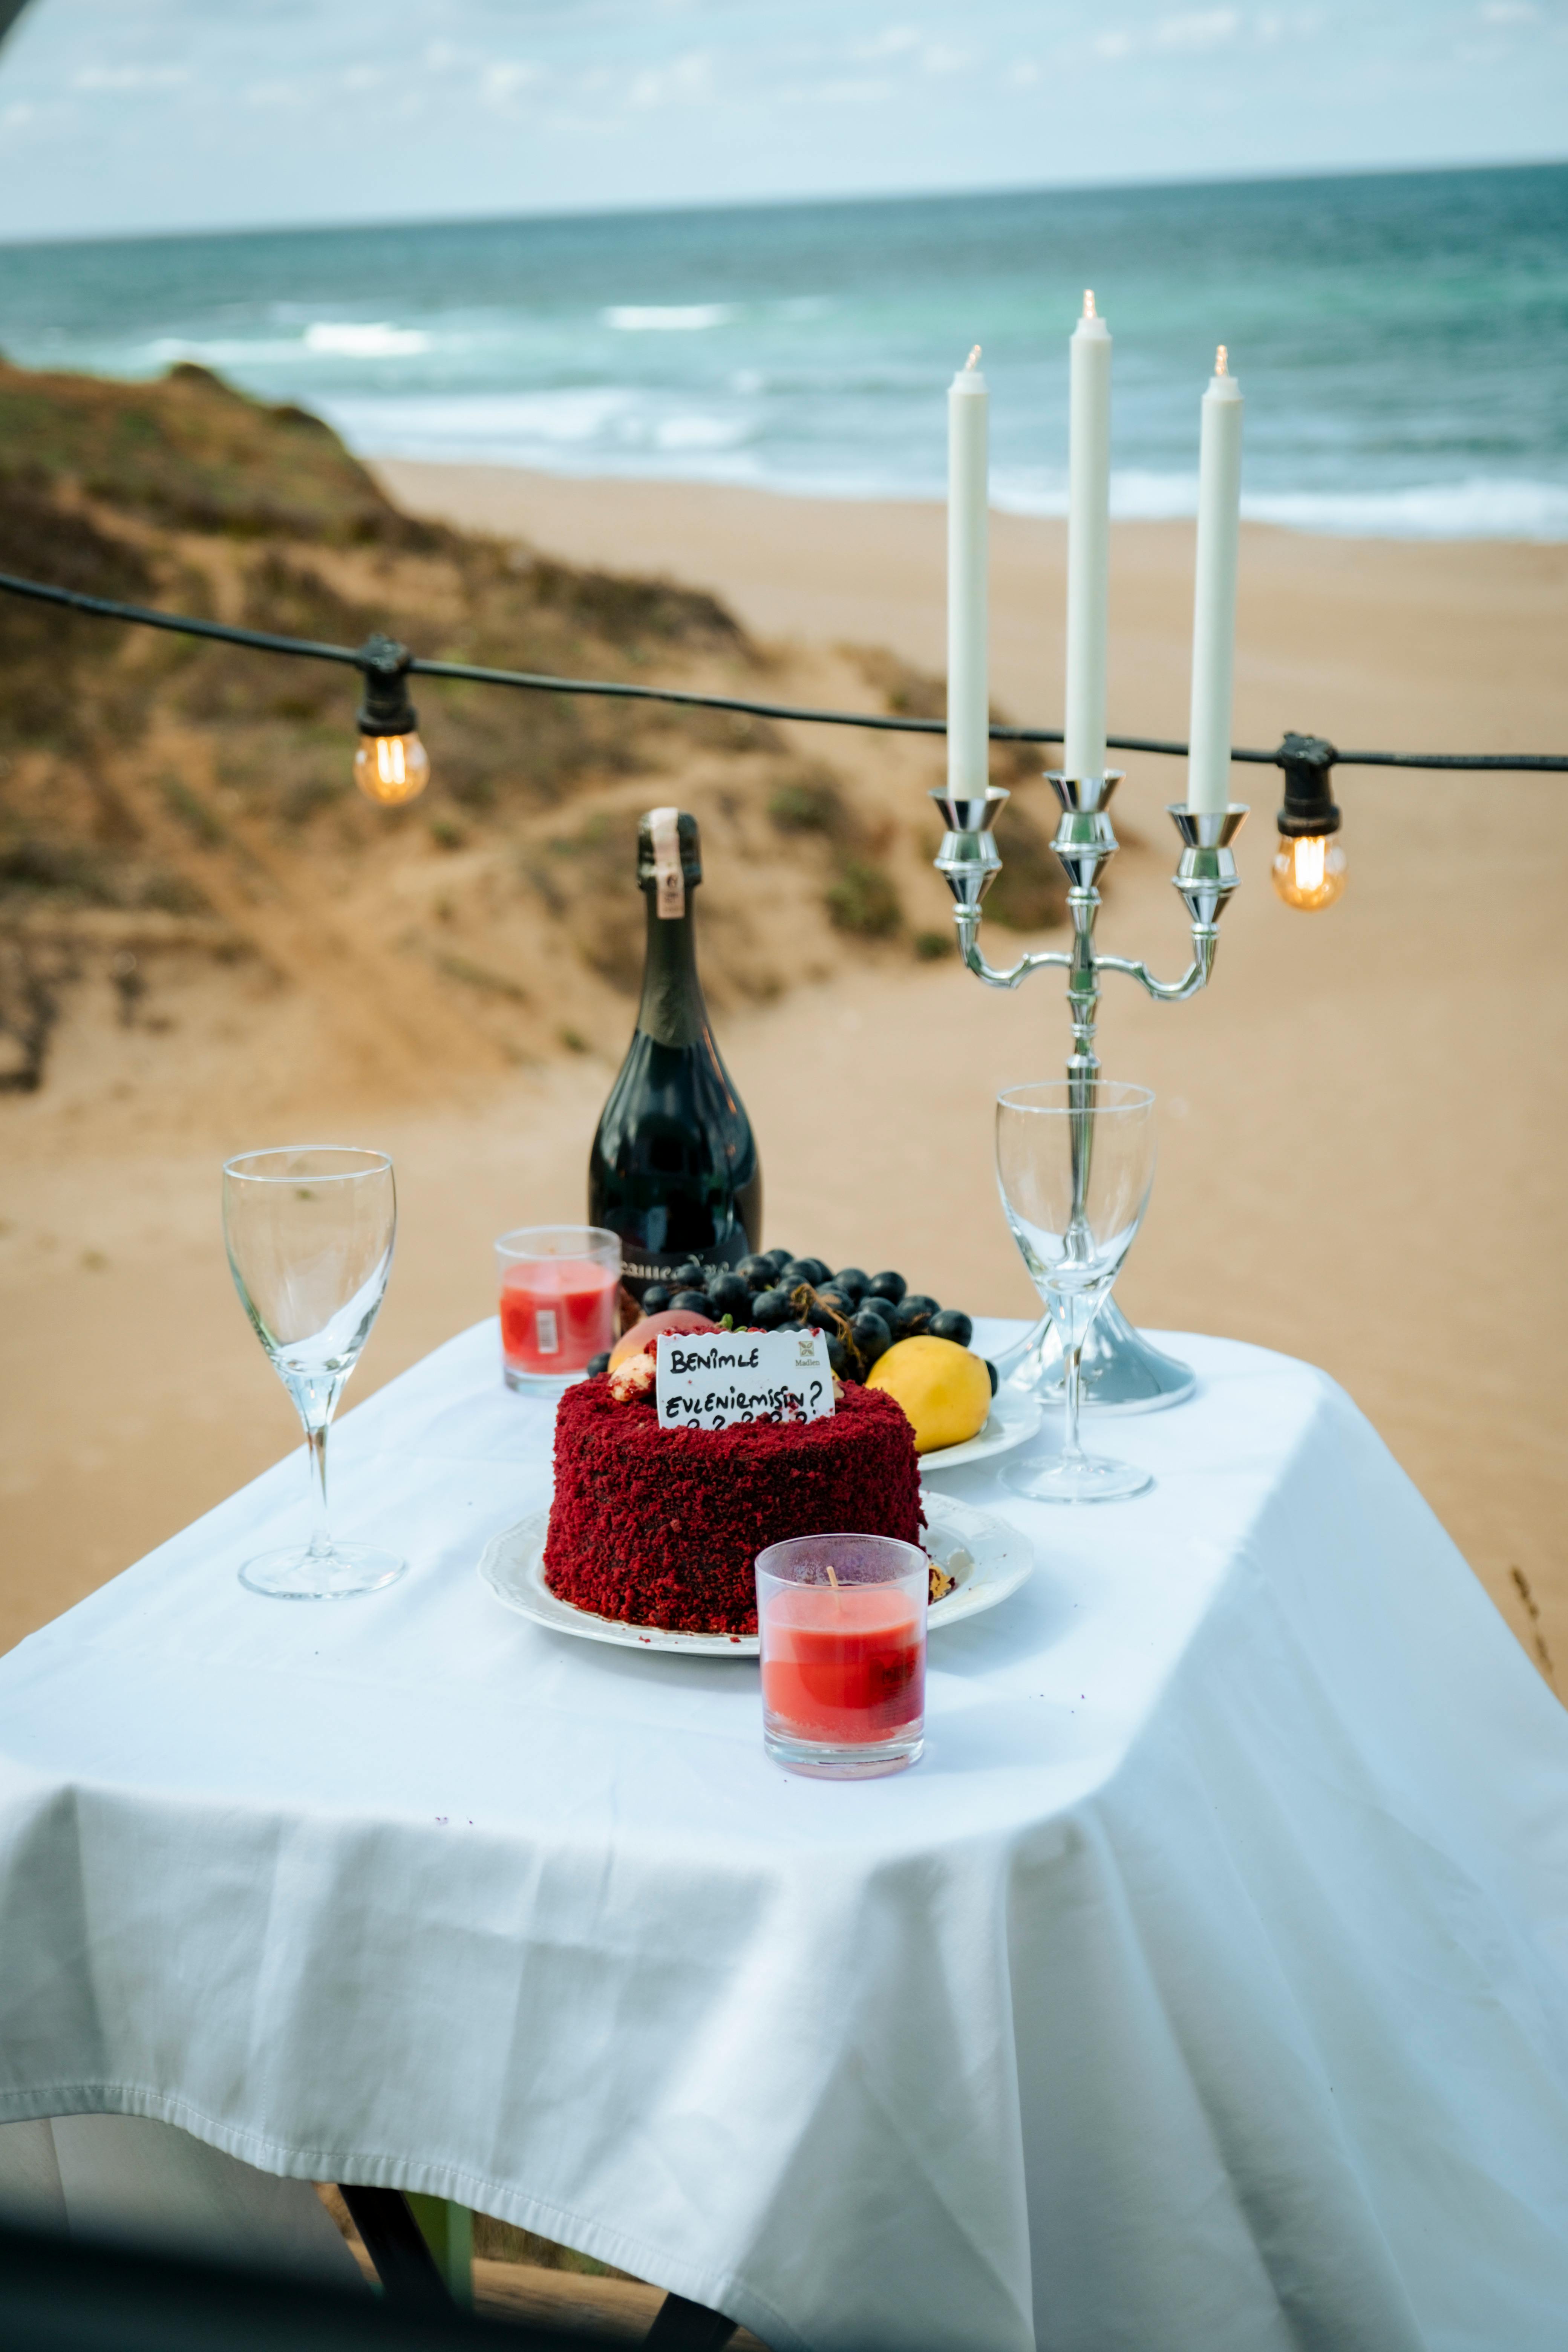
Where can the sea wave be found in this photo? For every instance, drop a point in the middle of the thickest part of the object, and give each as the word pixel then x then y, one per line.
pixel 666 318
pixel 1135 496
pixel 323 339
pixel 611 427
pixel 1480 507
pixel 377 341
pixel 627 431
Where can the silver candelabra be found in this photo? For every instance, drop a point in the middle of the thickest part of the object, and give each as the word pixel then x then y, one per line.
pixel 1120 1371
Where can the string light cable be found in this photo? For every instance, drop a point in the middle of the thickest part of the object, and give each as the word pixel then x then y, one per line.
pixel 391 766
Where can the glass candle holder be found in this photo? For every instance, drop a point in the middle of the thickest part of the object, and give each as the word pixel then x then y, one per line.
pixel 559 1286
pixel 842 1627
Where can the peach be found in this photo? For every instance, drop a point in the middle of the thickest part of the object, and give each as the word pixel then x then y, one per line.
pixel 674 1318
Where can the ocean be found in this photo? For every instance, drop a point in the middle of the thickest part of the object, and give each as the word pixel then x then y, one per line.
pixel 1402 339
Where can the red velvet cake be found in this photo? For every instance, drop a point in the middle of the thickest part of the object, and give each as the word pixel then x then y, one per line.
pixel 662 1527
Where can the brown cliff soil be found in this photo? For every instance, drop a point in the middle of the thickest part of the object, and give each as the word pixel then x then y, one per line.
pixel 184 858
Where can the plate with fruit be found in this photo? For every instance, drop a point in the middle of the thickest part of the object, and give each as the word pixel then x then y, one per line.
pixel 977 1560
pixel 878 1332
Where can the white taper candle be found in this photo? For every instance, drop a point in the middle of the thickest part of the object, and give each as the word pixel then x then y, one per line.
pixel 1088 542
pixel 968 695
pixel 1214 597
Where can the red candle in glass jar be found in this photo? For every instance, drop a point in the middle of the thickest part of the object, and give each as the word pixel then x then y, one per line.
pixel 846 1663
pixel 842 1627
pixel 558 1297
pixel 554 1316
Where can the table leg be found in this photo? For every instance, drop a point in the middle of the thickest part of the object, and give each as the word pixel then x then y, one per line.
pixel 402 2262
pixel 683 2326
pixel 448 2232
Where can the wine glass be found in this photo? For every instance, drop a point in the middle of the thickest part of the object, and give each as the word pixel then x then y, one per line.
pixel 309 1232
pixel 1075 1162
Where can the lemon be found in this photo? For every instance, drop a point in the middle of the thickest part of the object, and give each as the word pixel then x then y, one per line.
pixel 943 1388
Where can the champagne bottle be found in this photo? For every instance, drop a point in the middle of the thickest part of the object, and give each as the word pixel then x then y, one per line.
pixel 674 1168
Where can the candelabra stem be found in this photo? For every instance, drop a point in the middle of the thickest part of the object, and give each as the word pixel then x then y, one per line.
pixel 1083 982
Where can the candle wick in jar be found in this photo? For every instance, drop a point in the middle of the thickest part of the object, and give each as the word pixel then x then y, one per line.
pixel 1089 310
pixel 1222 361
pixel 972 361
pixel 832 1575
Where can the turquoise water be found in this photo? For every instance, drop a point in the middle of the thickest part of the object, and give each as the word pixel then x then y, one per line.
pixel 1402 340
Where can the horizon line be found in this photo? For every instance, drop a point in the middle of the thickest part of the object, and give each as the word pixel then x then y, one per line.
pixel 856 200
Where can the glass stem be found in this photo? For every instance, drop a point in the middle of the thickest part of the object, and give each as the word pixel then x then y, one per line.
pixel 316 1447
pixel 1072 1364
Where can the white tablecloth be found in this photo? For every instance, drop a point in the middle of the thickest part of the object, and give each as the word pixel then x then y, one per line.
pixel 1205 1986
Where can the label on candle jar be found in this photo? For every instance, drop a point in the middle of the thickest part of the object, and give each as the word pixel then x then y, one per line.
pixel 710 1380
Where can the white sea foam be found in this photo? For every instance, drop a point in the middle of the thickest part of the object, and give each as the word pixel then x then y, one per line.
pixel 516 427
pixel 377 341
pixel 214 352
pixel 1481 507
pixel 1135 496
pixel 699 432
pixel 627 431
pixel 666 318
pixel 326 339
pixel 607 428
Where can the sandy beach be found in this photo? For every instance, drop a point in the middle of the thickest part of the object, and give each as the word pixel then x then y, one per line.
pixel 1363 1121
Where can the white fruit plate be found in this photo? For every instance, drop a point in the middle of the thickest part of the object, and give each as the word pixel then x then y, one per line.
pixel 1013 1419
pixel 989 1560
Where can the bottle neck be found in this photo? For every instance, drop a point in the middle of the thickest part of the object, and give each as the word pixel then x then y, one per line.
pixel 672 1011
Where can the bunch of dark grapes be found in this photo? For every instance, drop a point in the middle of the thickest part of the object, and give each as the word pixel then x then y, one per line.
pixel 862 1314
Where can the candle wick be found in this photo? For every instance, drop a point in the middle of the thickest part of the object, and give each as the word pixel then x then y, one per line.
pixel 1089 310
pixel 972 361
pixel 832 1577
pixel 1222 361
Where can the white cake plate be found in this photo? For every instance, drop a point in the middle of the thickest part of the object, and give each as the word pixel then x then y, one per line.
pixel 1013 1417
pixel 988 1558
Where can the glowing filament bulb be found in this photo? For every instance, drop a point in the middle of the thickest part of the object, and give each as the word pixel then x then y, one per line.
pixel 1308 870
pixel 391 769
pixel 1089 310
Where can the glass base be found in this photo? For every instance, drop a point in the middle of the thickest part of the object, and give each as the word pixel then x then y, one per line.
pixel 829 1760
pixel 1092 1478
pixel 339 1573
pixel 1122 1371
pixel 550 1384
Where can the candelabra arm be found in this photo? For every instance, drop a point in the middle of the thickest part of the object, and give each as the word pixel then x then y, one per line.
pixel 1170 991
pixel 969 949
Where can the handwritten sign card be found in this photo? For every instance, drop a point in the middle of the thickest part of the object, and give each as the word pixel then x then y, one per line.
pixel 710 1380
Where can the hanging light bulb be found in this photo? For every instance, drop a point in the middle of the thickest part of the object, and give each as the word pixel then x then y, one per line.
pixel 1308 870
pixel 1310 867
pixel 391 769
pixel 391 766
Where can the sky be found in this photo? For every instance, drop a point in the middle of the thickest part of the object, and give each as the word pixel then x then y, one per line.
pixel 190 114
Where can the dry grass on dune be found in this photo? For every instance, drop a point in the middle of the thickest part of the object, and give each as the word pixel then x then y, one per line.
pixel 180 840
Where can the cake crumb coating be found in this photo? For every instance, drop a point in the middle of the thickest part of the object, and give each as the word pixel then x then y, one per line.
pixel 662 1527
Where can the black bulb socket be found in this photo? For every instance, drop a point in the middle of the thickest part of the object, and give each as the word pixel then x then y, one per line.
pixel 386 709
pixel 1308 762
